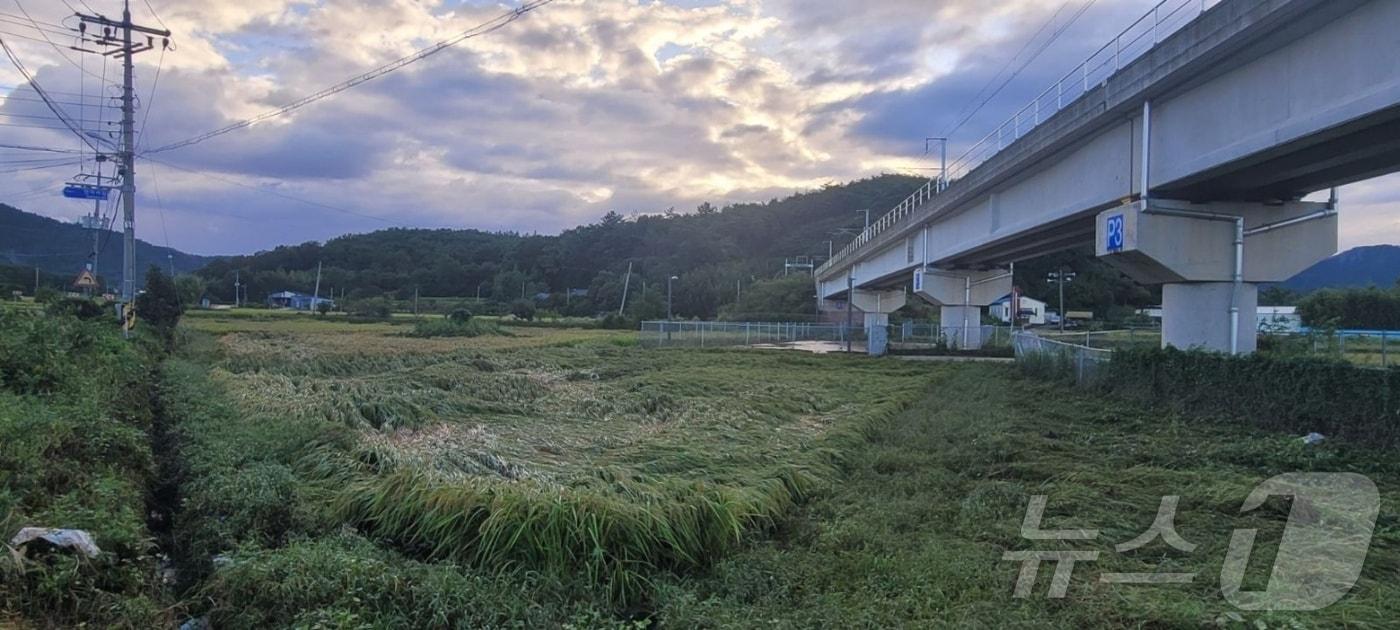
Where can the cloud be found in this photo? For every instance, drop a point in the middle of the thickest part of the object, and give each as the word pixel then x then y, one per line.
pixel 582 107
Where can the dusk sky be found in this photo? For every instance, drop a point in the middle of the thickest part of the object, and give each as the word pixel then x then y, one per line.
pixel 581 107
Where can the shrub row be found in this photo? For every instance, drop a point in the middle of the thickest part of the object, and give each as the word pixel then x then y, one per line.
pixel 1297 395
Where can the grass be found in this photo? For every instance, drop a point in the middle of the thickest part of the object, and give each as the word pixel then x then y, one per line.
pixel 914 536
pixel 74 411
pixel 331 474
pixel 562 452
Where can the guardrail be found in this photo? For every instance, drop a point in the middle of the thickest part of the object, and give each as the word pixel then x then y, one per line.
pixel 1141 36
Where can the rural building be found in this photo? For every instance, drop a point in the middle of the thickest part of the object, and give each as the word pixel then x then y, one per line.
pixel 1032 311
pixel 1280 319
pixel 297 301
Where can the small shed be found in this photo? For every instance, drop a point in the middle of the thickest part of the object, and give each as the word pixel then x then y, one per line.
pixel 1030 310
pixel 1279 319
pixel 297 301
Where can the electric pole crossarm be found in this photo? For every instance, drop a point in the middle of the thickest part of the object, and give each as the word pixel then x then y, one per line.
pixel 116 38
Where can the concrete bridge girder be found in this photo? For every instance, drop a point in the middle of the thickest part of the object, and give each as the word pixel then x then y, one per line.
pixel 962 294
pixel 1210 257
pixel 876 307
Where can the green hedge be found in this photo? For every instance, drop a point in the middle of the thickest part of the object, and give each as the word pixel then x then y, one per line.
pixel 1297 395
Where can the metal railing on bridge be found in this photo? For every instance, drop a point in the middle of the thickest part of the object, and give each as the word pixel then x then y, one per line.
pixel 1141 36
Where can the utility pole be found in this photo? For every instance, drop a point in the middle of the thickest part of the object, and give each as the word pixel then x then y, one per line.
pixel 36 283
pixel 626 280
pixel 1060 277
pixel 171 258
pixel 415 300
pixel 116 38
pixel 850 299
pixel 866 212
pixel 669 316
pixel 316 293
pixel 237 289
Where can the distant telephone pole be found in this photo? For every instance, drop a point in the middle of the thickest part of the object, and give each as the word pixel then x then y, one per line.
pixel 115 40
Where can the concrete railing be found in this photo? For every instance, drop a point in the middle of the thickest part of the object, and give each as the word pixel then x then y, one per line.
pixel 1141 36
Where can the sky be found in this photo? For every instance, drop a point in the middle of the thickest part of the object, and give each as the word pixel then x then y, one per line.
pixel 580 108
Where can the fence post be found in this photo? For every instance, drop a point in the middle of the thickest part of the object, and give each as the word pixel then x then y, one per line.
pixel 1385 360
pixel 701 326
pixel 1342 344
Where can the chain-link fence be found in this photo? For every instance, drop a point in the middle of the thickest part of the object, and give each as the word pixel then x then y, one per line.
pixel 914 335
pixel 1050 357
pixel 664 334
pixel 1368 348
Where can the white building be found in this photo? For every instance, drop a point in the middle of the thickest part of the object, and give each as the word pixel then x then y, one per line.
pixel 1032 310
pixel 1280 319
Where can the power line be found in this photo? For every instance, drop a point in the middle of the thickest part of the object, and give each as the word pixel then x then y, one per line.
pixel 146 115
pixel 58 111
pixel 46 38
pixel 1043 47
pixel 26 147
pixel 481 29
pixel 155 15
pixel 992 79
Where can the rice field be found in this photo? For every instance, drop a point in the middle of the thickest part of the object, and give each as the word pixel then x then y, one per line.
pixel 556 450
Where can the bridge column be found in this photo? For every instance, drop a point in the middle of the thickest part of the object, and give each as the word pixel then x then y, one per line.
pixel 1210 257
pixel 875 307
pixel 962 294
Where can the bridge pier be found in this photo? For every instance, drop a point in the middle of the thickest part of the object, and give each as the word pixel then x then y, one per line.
pixel 876 307
pixel 1210 257
pixel 961 296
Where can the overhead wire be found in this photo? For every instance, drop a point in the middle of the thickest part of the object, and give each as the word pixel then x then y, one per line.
pixel 484 28
pixel 50 42
pixel 1054 37
pixel 58 111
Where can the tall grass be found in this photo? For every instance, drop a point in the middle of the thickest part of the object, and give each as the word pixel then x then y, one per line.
pixel 74 411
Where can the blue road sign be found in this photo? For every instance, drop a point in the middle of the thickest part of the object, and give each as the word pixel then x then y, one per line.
pixel 1114 226
pixel 85 191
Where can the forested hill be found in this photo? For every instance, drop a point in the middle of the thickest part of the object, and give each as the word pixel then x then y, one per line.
pixel 710 250
pixel 30 240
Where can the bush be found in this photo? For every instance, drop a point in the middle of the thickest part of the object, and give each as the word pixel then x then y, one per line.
pixel 83 309
pixel 613 321
pixel 454 328
pixel 1292 394
pixel 159 305
pixel 523 310
pixel 460 315
pixel 371 308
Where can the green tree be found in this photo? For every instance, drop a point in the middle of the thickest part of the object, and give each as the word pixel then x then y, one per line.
pixel 159 306
pixel 191 289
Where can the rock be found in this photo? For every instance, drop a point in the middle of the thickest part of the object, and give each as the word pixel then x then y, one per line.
pixel 1313 439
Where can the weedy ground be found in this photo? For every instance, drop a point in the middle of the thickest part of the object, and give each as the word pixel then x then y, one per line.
pixel 330 474
pixel 914 535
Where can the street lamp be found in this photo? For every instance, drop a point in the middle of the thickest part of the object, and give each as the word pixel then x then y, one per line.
pixel 867 217
pixel 668 297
